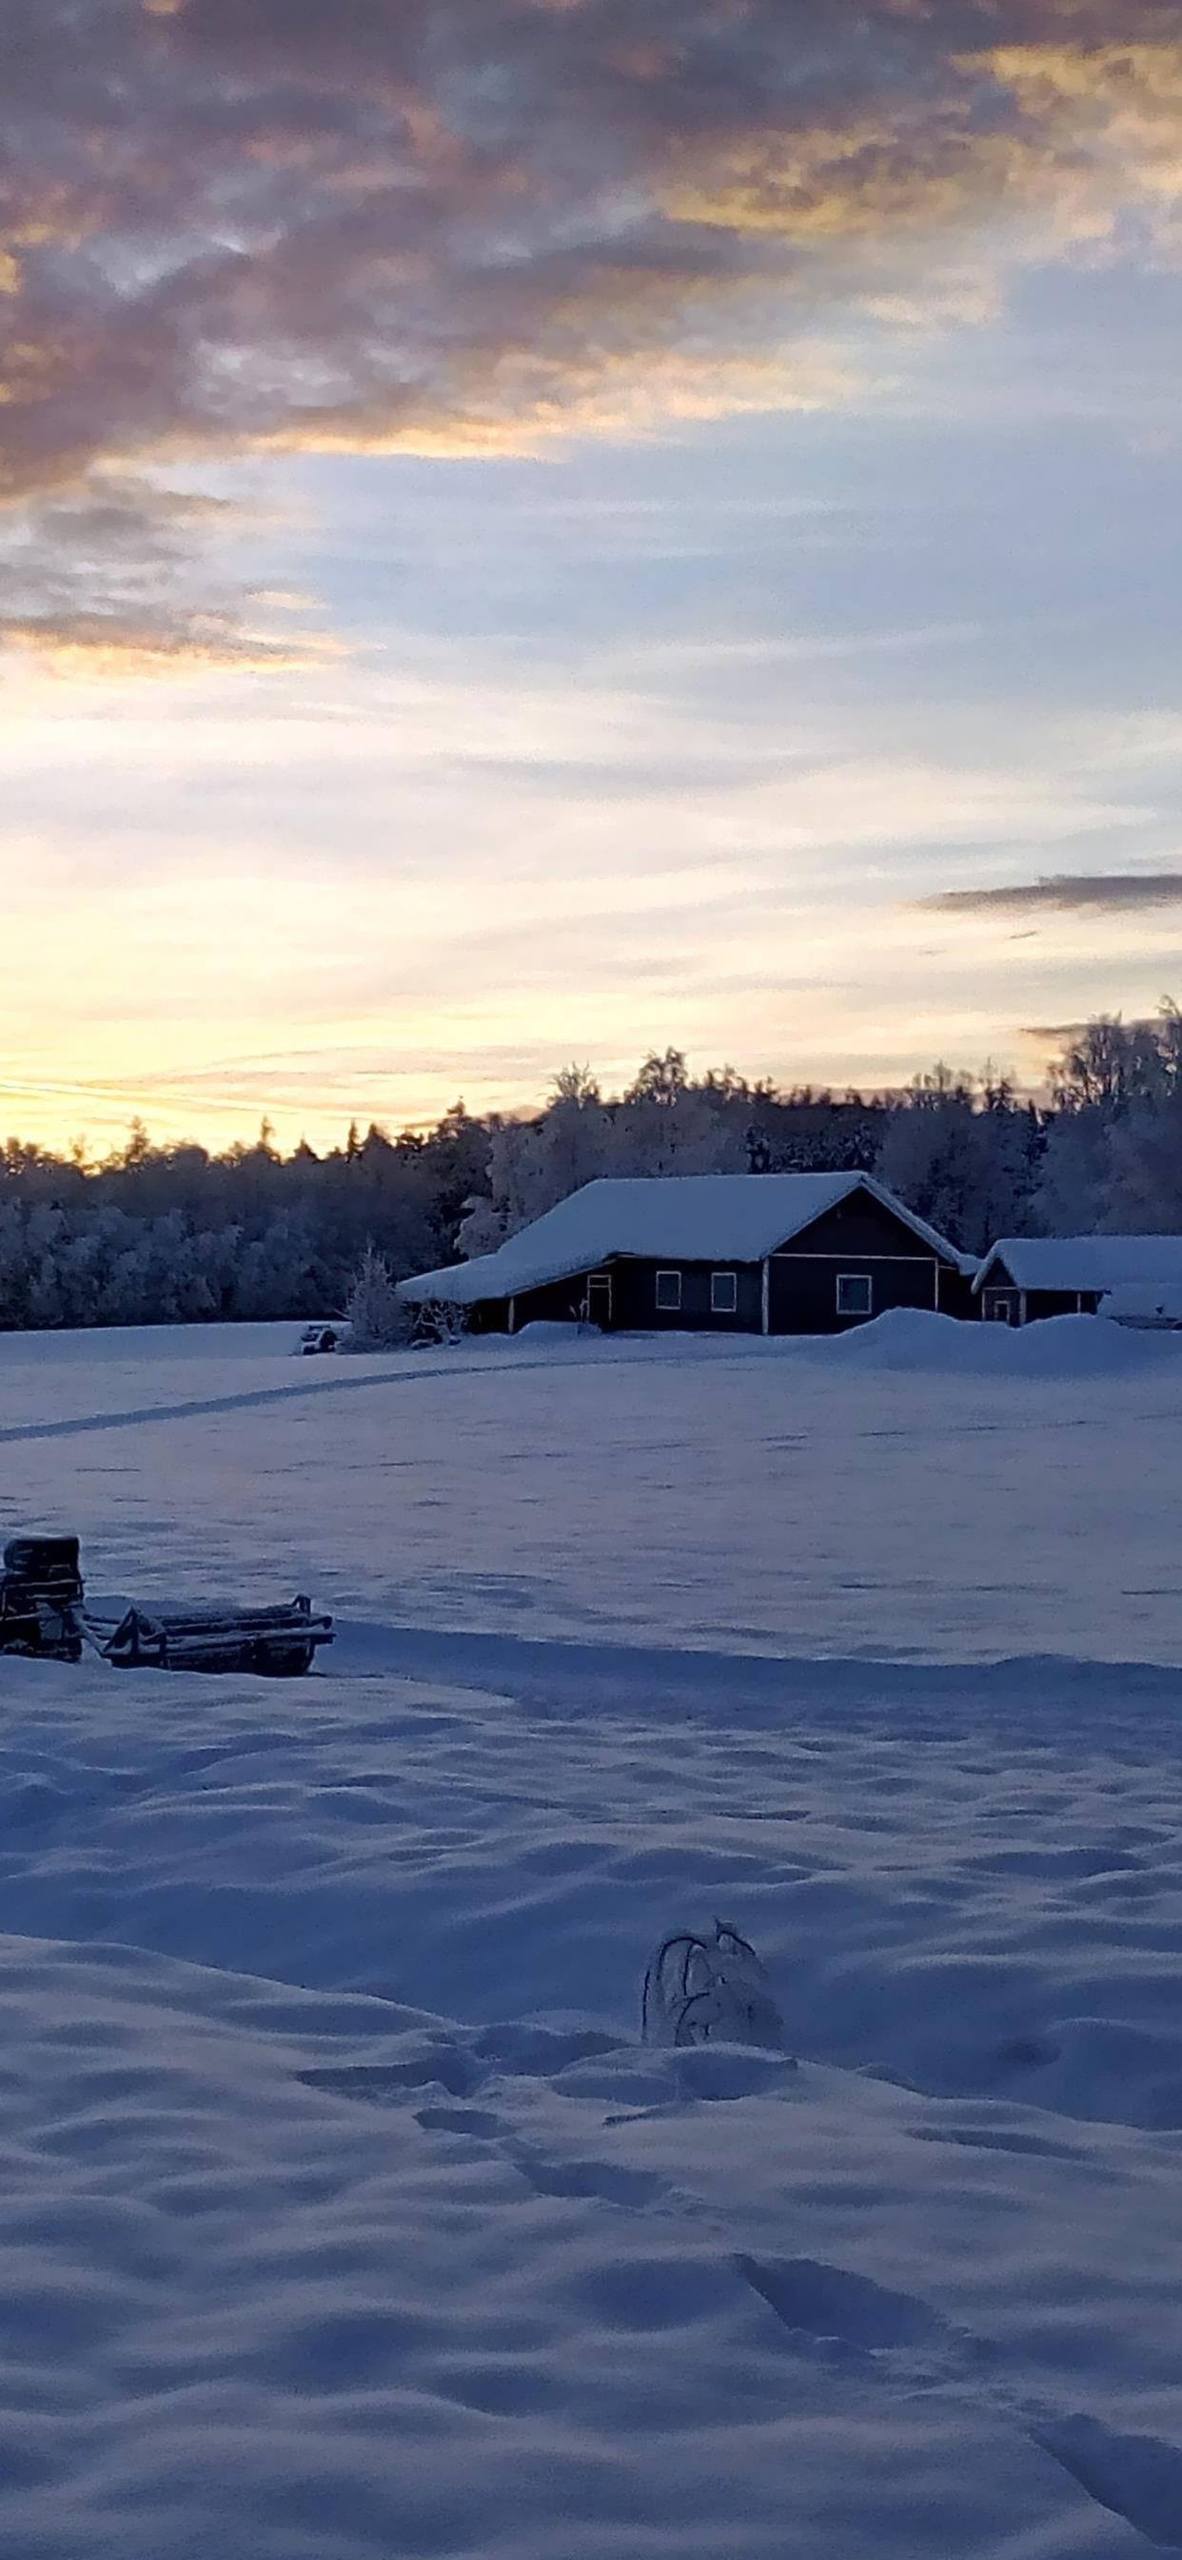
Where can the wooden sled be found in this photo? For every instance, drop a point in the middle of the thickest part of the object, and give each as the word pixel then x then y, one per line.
pixel 280 1642
pixel 43 1611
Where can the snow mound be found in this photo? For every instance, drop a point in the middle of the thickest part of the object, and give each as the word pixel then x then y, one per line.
pixel 345 2215
pixel 545 1335
pixel 908 1338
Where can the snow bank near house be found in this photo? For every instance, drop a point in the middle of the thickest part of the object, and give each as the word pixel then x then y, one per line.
pixel 906 1339
pixel 1056 1347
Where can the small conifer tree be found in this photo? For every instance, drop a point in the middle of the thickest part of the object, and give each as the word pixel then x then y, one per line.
pixel 376 1318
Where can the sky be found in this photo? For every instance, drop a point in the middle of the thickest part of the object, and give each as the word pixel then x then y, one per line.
pixel 541 530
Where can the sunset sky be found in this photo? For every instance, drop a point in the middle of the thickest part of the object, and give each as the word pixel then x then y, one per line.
pixel 540 529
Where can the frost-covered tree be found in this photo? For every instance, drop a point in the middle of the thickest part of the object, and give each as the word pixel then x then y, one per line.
pixel 1114 1146
pixel 376 1317
pixel 1143 1191
pixel 174 1234
pixel 963 1156
pixel 481 1230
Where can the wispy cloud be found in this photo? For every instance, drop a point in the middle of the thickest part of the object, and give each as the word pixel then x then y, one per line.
pixel 126 576
pixel 1081 893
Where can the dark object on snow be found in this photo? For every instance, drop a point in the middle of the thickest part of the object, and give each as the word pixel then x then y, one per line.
pixel 709 1990
pixel 319 1337
pixel 43 1611
pixel 40 1596
pixel 280 1642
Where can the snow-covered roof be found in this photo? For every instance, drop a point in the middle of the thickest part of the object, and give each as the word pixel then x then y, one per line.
pixel 689 1217
pixel 1144 1302
pixel 1083 1263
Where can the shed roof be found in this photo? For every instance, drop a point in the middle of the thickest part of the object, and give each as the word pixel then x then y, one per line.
pixel 1083 1263
pixel 695 1217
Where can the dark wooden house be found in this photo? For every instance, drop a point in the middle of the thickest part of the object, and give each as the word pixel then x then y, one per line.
pixel 723 1253
pixel 1025 1277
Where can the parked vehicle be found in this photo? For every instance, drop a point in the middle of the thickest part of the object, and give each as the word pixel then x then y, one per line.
pixel 320 1337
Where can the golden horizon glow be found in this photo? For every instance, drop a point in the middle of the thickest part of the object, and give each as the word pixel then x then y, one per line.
pixel 573 548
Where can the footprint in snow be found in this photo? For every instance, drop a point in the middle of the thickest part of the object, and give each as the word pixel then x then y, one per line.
pixel 984 2137
pixel 1137 2477
pixel 384 2083
pixel 477 2122
pixel 833 2306
pixel 600 2180
pixel 592 2178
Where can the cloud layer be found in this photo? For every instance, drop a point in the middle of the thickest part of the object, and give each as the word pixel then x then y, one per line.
pixel 467 225
pixel 1080 893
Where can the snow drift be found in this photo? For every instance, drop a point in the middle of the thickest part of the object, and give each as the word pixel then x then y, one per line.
pixel 345 2213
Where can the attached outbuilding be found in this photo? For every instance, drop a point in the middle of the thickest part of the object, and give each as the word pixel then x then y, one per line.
pixel 720 1253
pixel 1025 1277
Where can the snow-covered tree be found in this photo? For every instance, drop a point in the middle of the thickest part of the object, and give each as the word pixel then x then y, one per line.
pixel 481 1230
pixel 963 1156
pixel 172 1233
pixel 376 1317
pixel 1143 1192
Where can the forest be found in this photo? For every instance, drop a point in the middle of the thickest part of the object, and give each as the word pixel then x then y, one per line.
pixel 163 1234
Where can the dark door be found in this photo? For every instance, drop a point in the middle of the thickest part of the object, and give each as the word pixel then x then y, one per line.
pixel 599 1300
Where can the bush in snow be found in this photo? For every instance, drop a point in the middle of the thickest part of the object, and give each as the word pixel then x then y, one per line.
pixel 437 1320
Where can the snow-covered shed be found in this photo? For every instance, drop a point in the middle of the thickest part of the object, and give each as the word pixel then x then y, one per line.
pixel 1024 1277
pixel 1149 1306
pixel 725 1252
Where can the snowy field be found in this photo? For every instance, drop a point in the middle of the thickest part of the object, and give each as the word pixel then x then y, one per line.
pixel 344 2217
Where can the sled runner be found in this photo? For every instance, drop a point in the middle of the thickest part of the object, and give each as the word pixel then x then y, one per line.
pixel 43 1611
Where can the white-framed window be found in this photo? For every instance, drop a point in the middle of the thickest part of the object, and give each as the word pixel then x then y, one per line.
pixel 724 1293
pixel 855 1293
pixel 1000 1306
pixel 668 1293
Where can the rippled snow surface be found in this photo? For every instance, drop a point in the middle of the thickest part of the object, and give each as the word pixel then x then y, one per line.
pixel 343 2215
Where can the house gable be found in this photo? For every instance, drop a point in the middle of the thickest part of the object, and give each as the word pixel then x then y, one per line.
pixel 994 1274
pixel 867 1224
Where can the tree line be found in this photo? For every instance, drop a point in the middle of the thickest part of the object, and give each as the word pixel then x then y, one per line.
pixel 174 1234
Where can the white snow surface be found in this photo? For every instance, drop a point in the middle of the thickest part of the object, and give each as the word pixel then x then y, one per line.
pixel 1083 1262
pixel 689 1217
pixel 344 2215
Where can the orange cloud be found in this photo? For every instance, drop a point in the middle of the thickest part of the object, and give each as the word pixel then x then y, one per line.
pixel 113 580
pixel 93 646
